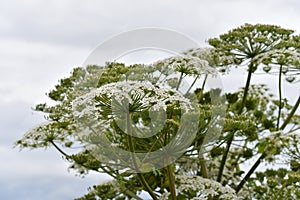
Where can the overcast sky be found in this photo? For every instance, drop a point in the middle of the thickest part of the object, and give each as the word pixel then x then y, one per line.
pixel 41 41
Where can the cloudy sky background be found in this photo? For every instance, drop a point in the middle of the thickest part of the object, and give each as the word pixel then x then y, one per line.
pixel 41 41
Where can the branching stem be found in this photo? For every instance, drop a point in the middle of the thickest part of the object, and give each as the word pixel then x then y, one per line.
pixel 231 138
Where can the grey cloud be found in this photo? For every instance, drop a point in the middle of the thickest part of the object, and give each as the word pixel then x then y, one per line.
pixel 87 23
pixel 40 175
pixel 28 70
pixel 48 187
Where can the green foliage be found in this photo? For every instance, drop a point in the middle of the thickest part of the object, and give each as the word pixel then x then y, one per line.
pixel 275 184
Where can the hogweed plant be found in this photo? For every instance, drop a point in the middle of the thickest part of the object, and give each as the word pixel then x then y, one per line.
pixel 159 128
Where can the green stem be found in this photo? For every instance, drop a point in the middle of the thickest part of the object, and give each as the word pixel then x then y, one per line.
pixel 203 84
pixel 229 142
pixel 135 165
pixel 250 172
pixel 204 171
pixel 60 150
pixel 192 84
pixel 288 119
pixel 169 169
pixel 224 158
pixel 280 97
pixel 131 194
pixel 147 187
pixel 179 81
pixel 236 166
pixel 246 87
pixel 171 182
pixel 83 165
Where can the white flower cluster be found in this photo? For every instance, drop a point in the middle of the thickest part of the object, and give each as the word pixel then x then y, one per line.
pixel 150 96
pixel 202 53
pixel 204 188
pixel 188 63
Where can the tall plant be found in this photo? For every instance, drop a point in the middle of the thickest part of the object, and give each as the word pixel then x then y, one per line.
pixel 174 141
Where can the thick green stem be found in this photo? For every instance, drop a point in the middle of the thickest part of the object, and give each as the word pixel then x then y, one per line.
pixel 204 171
pixel 229 142
pixel 280 97
pixel 171 182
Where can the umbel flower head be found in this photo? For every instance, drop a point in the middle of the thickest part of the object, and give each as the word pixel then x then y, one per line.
pixel 188 64
pixel 109 116
pixel 139 95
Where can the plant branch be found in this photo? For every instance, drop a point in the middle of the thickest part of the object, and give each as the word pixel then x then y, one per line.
pixel 192 84
pixel 250 71
pixel 229 142
pixel 60 150
pixel 280 97
pixel 179 81
pixel 288 119
pixel 131 194
pixel 203 84
pixel 83 165
pixel 250 172
pixel 224 158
